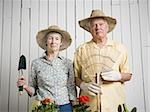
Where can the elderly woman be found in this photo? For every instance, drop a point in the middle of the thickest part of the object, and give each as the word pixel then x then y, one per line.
pixel 52 75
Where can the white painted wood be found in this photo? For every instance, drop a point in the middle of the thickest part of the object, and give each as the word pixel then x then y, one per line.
pixel 148 76
pixel 5 69
pixel 115 2
pixel 43 18
pixel 24 50
pixel 148 54
pixel 116 14
pixel 70 27
pixel 126 29
pixel 88 7
pixel 79 16
pixel 148 6
pixel 1 39
pixel 62 15
pixel 79 32
pixel 136 97
pixel 127 41
pixel 33 49
pixel 133 1
pixel 34 30
pixel 14 56
pixel 53 12
pixel 97 4
pixel 107 9
pixel 144 42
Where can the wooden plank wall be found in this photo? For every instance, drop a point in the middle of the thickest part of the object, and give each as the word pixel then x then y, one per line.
pixel 20 20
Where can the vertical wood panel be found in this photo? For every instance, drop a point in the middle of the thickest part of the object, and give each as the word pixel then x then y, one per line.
pixel 5 71
pixel 13 93
pixel 53 12
pixel 70 27
pixel 133 1
pixel 148 76
pixel 148 54
pixel 116 14
pixel 107 9
pixel 127 40
pixel 43 13
pixel 62 16
pixel 144 42
pixel 34 30
pixel 43 18
pixel 1 41
pixel 79 15
pixel 88 6
pixel 24 49
pixel 34 27
pixel 148 3
pixel 97 4
pixel 137 64
pixel 126 29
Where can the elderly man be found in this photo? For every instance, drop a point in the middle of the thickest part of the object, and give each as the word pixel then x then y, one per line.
pixel 101 65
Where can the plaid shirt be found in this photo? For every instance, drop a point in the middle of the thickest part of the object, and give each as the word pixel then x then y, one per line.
pixel 53 79
pixel 90 59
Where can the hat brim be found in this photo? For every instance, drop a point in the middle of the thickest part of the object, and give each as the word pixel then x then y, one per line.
pixel 85 23
pixel 41 38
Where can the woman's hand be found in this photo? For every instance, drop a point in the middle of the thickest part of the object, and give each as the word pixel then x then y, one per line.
pixel 22 82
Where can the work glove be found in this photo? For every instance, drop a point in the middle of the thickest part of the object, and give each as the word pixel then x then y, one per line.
pixel 91 88
pixel 111 76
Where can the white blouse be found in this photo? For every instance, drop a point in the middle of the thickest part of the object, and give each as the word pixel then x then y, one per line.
pixel 53 79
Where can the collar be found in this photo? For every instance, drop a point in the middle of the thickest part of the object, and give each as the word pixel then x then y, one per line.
pixel 108 43
pixel 44 56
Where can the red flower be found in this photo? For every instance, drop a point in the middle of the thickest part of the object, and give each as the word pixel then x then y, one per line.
pixel 83 99
pixel 46 101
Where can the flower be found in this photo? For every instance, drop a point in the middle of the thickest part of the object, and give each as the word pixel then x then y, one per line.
pixel 46 101
pixel 81 105
pixel 46 105
pixel 83 99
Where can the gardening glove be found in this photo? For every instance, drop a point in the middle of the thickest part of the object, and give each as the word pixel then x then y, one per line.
pixel 111 76
pixel 91 88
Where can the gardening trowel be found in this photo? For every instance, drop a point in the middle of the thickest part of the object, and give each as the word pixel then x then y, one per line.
pixel 21 66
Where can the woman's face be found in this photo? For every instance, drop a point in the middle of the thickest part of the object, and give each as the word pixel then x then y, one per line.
pixel 53 41
pixel 99 28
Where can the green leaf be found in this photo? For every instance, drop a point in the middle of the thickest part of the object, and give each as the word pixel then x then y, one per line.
pixel 119 108
pixel 125 108
pixel 134 109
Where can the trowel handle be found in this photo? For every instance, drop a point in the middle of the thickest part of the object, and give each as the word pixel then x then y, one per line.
pixel 20 90
pixel 21 87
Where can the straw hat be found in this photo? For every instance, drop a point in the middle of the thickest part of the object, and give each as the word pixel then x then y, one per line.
pixel 41 37
pixel 97 14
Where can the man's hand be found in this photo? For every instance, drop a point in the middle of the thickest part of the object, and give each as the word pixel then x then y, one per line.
pixel 91 88
pixel 111 76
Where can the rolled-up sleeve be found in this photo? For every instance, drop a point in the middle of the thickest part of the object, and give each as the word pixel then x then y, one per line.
pixel 33 79
pixel 124 65
pixel 71 82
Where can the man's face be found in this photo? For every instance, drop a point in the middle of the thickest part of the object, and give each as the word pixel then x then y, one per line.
pixel 98 28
